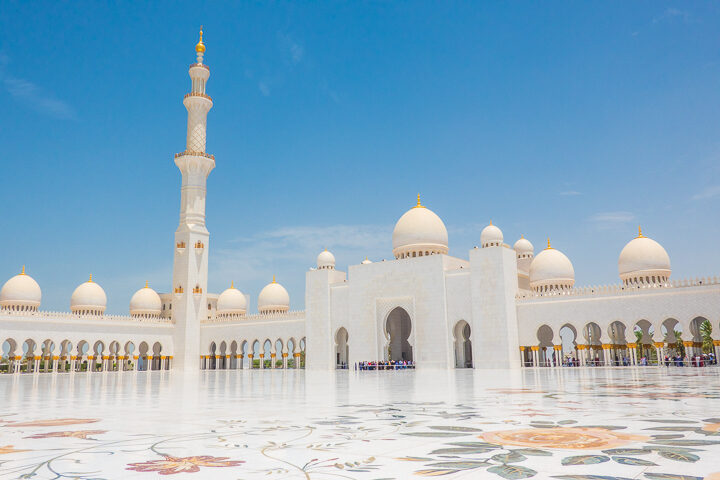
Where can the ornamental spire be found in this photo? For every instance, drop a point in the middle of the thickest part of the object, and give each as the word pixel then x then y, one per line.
pixel 548 247
pixel 90 280
pixel 640 235
pixel 419 205
pixel 200 47
pixel 23 270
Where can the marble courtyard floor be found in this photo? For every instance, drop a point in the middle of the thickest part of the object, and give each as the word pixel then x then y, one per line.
pixel 575 424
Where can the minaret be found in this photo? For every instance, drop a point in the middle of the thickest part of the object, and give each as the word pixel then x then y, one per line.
pixel 190 268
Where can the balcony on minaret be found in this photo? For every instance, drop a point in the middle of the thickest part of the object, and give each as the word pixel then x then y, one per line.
pixel 198 154
pixel 198 94
pixel 197 290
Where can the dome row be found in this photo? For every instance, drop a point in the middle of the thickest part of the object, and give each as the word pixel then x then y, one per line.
pixel 22 293
pixel 421 232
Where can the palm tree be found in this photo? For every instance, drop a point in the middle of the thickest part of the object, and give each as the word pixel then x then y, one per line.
pixel 638 339
pixel 679 346
pixel 706 333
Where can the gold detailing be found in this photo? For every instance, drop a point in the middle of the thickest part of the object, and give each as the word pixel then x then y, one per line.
pixel 195 154
pixel 640 235
pixel 419 205
pixel 549 247
pixel 198 94
pixel 90 281
pixel 200 47
pixel 274 279
pixel 199 244
pixel 147 284
pixel 490 221
pixel 660 344
pixel 179 289
pixel 232 284
pixel 23 270
pixel 180 245
pixel 522 348
pixel 535 348
pixel 197 289
pixel 522 236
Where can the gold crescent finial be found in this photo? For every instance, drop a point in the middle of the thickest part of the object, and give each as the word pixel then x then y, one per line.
pixel 23 270
pixel 200 47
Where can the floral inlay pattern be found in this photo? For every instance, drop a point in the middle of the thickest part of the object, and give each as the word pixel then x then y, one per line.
pixel 169 465
pixel 562 438
pixel 84 434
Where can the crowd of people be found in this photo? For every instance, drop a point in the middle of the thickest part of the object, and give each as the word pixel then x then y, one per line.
pixel 385 365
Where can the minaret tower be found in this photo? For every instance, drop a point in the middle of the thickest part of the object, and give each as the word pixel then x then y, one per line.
pixel 190 268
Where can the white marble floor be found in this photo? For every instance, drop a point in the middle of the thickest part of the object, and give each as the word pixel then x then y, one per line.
pixel 574 424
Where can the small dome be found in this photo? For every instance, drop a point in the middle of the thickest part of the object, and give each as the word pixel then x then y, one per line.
pixel 231 302
pixel 551 270
pixel 491 236
pixel 145 303
pixel 273 298
pixel 419 232
pixel 88 298
pixel 523 246
pixel 366 261
pixel 326 260
pixel 21 292
pixel 643 261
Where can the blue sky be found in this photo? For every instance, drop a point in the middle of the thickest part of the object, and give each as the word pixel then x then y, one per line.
pixel 575 120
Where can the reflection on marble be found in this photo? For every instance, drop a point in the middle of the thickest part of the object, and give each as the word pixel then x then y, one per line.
pixel 575 424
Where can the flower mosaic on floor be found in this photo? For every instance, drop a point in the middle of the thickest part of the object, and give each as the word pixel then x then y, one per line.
pixel 573 424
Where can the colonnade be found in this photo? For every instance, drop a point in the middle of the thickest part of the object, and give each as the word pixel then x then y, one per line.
pixel 87 363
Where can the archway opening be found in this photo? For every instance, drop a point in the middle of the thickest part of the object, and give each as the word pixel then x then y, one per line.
pixel 397 329
pixel 463 345
pixel 342 350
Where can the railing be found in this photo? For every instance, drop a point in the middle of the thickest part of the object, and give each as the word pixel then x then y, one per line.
pixel 257 317
pixel 620 289
pixel 75 317
pixel 201 65
pixel 198 94
pixel 196 154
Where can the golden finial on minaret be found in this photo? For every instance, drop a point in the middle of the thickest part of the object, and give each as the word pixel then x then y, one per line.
pixel 640 235
pixel 90 280
pixel 200 47
pixel 23 270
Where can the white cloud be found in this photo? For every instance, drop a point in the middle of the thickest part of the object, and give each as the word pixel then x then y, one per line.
pixel 264 89
pixel 292 48
pixel 32 95
pixel 610 219
pixel 671 14
pixel 709 192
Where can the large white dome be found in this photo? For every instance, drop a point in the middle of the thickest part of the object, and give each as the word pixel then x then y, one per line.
pixel 231 302
pixel 326 260
pixel 273 298
pixel 551 270
pixel 21 292
pixel 491 236
pixel 644 261
pixel 145 303
pixel 419 232
pixel 88 298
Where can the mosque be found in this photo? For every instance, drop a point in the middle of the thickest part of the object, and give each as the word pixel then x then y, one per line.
pixel 501 307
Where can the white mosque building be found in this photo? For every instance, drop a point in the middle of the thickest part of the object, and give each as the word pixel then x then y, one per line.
pixel 501 307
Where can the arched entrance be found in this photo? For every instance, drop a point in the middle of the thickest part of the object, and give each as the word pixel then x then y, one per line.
pixel 463 345
pixel 397 330
pixel 341 348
